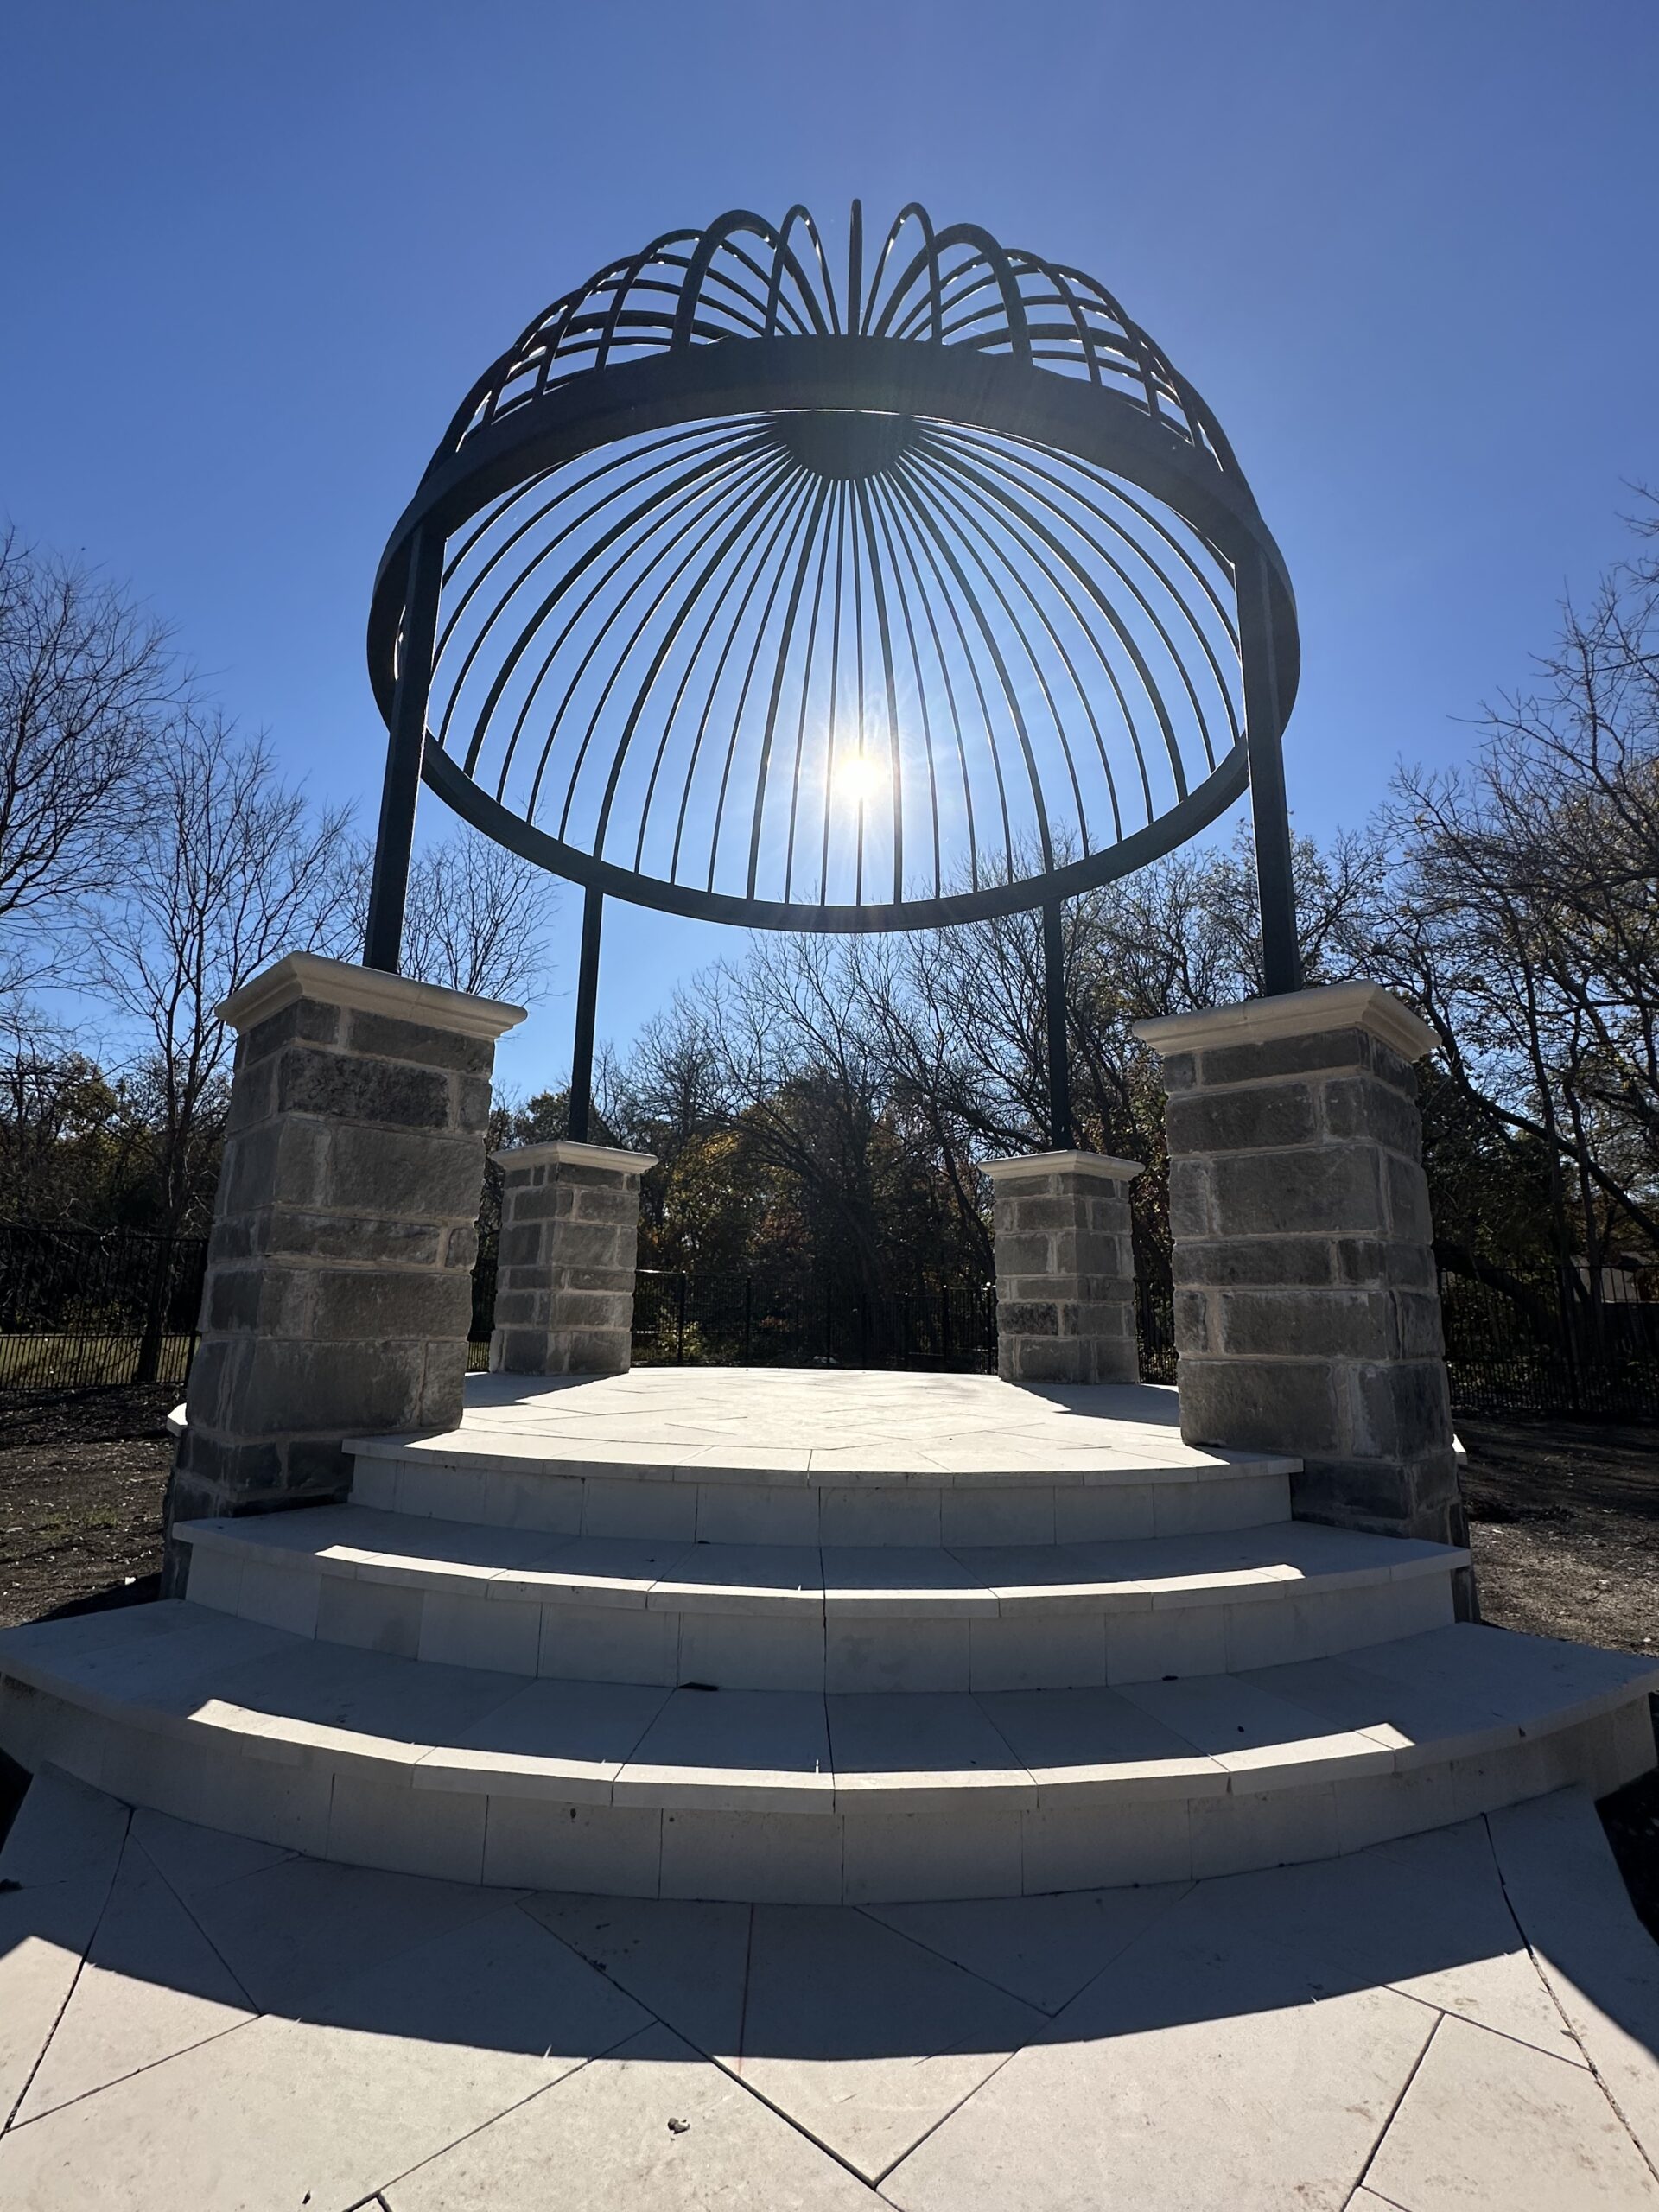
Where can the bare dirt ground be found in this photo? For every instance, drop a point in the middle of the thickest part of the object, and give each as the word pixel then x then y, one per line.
pixel 1564 1528
pixel 81 1476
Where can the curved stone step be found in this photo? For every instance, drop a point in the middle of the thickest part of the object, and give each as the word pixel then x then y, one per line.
pixel 463 1773
pixel 751 1499
pixel 805 1617
pixel 770 1456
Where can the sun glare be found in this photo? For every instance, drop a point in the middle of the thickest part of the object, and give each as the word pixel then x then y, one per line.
pixel 861 776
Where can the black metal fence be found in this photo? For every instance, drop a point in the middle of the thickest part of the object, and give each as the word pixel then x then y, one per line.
pixel 84 1306
pixel 80 1307
pixel 742 1320
pixel 1542 1345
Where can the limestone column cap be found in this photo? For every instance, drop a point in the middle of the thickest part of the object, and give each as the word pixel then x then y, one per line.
pixel 559 1152
pixel 1065 1163
pixel 365 991
pixel 1294 1013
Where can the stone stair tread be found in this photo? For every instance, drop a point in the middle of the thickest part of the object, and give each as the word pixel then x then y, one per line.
pixel 1280 1560
pixel 176 1670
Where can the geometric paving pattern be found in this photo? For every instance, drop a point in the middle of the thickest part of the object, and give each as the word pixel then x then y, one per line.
pixel 1466 2018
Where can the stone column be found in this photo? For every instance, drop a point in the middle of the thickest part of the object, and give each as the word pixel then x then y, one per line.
pixel 1064 1268
pixel 1307 1312
pixel 338 1294
pixel 569 1251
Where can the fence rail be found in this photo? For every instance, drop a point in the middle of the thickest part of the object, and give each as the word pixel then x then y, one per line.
pixel 84 1306
pixel 80 1307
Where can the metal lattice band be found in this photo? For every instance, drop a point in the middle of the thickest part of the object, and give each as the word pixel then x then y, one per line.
pixel 936 597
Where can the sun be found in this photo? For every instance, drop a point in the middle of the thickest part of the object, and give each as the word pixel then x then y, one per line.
pixel 861 776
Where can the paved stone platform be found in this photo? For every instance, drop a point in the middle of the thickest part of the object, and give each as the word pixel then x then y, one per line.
pixel 1466 2018
pixel 825 1424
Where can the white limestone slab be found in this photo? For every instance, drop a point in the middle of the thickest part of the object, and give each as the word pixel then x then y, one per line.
pixel 290 1932
pixel 867 2079
pixel 1426 1915
pixel 1488 2122
pixel 768 1856
pixel 1041 1949
pixel 561 1739
pixel 1599 1962
pixel 945 1745
pixel 325 2109
pixel 1177 2080
pixel 686 1962
pixel 152 1986
pixel 63 1832
pixel 192 1857
pixel 768 1750
pixel 650 2126
pixel 44 1931
pixel 529 1843
pixel 1091 1745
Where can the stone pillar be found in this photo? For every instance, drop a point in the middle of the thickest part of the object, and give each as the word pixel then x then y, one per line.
pixel 1064 1268
pixel 569 1250
pixel 1308 1311
pixel 338 1294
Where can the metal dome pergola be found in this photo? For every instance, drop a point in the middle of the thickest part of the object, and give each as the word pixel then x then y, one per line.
pixel 738 595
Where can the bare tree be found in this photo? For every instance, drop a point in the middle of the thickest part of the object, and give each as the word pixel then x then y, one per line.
pixel 83 677
pixel 1525 918
pixel 477 919
pixel 229 868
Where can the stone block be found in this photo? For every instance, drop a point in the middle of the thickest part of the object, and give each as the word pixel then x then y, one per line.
pixel 1401 1407
pixel 1028 1319
pixel 1268 1059
pixel 1361 1106
pixel 304 1021
pixel 364 1304
pixel 1261 1405
pixel 1190 1199
pixel 1314 1188
pixel 1219 1263
pixel 1241 1121
pixel 519 1246
pixel 338 1088
pixel 297 1233
pixel 1318 1322
pixel 1407 1200
pixel 418 1175
pixel 384 1037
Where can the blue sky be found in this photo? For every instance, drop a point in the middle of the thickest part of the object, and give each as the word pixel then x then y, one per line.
pixel 253 258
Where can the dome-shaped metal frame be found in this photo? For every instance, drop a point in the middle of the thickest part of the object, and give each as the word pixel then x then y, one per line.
pixel 1080 516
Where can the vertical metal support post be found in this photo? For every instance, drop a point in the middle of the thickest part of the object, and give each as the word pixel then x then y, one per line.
pixel 1282 959
pixel 748 1315
pixel 383 939
pixel 582 1054
pixel 1059 1068
pixel 679 1335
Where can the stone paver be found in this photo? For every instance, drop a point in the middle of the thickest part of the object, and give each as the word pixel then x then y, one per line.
pixel 1186 2075
pixel 1487 2122
pixel 1589 1946
pixel 650 2126
pixel 1042 1949
pixel 867 2079
pixel 152 1986
pixel 1373 2032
